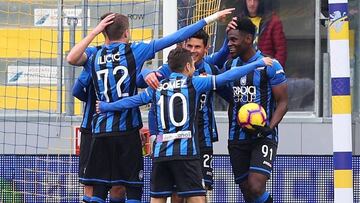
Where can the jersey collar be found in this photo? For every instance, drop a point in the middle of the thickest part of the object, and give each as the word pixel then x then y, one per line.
pixel 254 57
pixel 175 75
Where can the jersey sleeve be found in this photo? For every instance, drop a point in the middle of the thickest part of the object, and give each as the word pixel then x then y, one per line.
pixel 204 83
pixel 89 51
pixel 219 58
pixel 236 73
pixel 146 51
pixel 81 83
pixel 276 74
pixel 128 102
pixel 84 78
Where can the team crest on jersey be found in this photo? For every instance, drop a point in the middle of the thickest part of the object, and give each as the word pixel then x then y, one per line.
pixel 243 80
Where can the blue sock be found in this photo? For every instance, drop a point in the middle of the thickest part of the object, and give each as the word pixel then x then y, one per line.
pixel 117 200
pixel 86 199
pixel 262 198
pixel 133 201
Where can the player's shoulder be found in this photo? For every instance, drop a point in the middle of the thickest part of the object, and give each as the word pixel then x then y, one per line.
pixel 275 69
pixel 139 44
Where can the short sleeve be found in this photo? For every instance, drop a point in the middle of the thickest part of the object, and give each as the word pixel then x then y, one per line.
pixel 204 83
pixel 276 74
pixel 90 51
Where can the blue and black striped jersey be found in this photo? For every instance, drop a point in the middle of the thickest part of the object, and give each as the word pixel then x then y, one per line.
pixel 254 87
pixel 206 121
pixel 86 86
pixel 177 105
pixel 114 72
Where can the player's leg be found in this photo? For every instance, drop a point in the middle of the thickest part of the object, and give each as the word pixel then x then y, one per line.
pixel 261 165
pixel 196 199
pixel 176 199
pixel 100 193
pixel 207 169
pixel 240 156
pixel 128 165
pixel 158 200
pixel 117 194
pixel 133 194
pixel 97 171
pixel 85 144
pixel 161 182
pixel 189 180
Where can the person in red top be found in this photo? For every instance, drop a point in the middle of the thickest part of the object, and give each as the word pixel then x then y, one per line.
pixel 270 37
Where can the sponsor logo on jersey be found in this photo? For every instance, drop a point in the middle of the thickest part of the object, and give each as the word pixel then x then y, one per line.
pixel 244 93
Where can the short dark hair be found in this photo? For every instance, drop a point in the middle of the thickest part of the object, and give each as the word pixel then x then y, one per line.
pixel 245 25
pixel 116 29
pixel 201 34
pixel 178 58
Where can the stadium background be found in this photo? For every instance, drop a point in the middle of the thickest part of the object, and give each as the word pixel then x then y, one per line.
pixel 37 129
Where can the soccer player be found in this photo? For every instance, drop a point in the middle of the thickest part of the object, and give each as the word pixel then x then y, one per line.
pixel 84 90
pixel 197 44
pixel 176 150
pixel 116 156
pixel 252 152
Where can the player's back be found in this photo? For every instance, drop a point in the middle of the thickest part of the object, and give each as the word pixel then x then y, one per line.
pixel 176 110
pixel 114 76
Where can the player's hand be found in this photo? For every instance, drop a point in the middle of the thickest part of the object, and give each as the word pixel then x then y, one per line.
pixel 223 13
pixel 263 131
pixel 103 23
pixel 152 80
pixel 268 61
pixel 232 25
pixel 100 106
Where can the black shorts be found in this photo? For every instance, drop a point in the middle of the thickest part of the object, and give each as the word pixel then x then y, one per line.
pixel 207 169
pixel 184 174
pixel 115 160
pixel 256 156
pixel 85 143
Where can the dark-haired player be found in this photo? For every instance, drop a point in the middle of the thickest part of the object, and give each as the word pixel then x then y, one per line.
pixel 176 149
pixel 252 153
pixel 116 134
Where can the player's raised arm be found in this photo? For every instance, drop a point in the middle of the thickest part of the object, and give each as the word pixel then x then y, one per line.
pixel 77 56
pixel 219 58
pixel 205 84
pixel 237 72
pixel 186 32
pixel 125 103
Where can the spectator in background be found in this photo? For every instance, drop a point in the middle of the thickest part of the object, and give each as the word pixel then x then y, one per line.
pixel 269 36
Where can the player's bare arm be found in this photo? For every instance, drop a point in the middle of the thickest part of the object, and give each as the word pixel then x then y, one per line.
pixel 77 56
pixel 280 93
